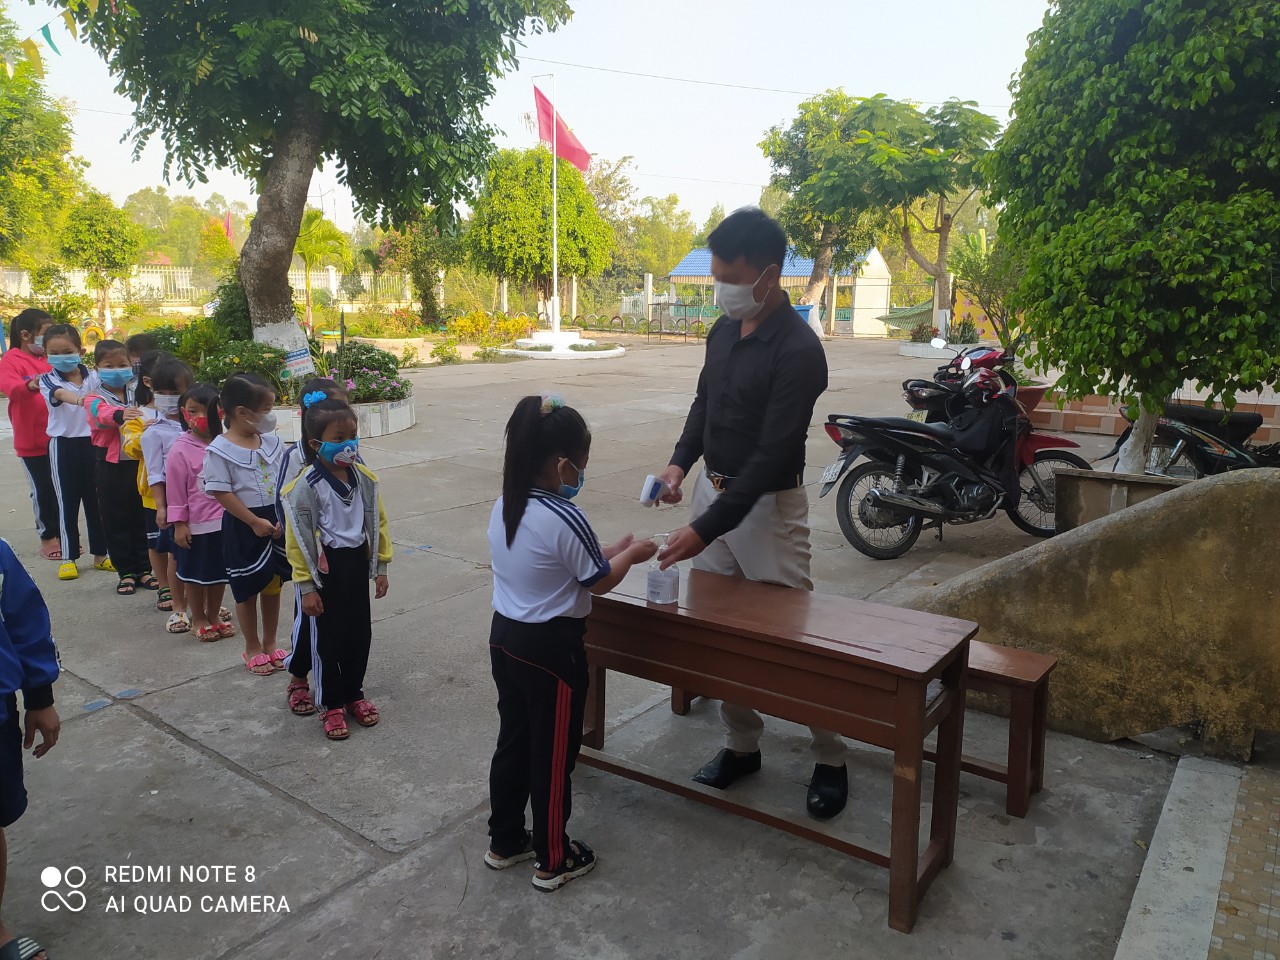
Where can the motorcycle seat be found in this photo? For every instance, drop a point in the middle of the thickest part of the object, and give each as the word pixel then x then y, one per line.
pixel 1234 427
pixel 940 430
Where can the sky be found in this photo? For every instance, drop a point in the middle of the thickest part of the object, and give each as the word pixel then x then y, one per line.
pixel 699 140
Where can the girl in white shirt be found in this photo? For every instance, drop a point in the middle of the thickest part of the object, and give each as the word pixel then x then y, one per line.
pixel 240 471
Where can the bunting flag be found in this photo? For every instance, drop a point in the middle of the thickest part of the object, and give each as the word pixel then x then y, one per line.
pixel 69 19
pixel 8 67
pixel 226 225
pixel 48 38
pixel 33 54
pixel 567 146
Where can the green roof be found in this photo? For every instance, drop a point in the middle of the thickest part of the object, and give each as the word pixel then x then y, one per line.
pixel 903 318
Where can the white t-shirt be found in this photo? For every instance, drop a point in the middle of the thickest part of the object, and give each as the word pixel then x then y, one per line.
pixel 156 441
pixel 553 560
pixel 341 518
pixel 65 419
pixel 250 474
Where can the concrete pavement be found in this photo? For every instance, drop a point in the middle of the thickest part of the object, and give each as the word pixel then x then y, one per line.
pixel 173 755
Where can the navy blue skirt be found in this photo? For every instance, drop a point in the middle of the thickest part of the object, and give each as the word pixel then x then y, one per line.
pixel 164 542
pixel 202 564
pixel 252 562
pixel 149 523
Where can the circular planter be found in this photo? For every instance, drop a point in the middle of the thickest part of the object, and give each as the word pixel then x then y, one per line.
pixel 376 419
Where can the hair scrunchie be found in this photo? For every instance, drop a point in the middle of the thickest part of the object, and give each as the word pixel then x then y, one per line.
pixel 315 396
pixel 551 401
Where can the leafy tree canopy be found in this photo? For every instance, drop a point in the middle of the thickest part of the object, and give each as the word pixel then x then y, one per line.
pixel 1141 172
pixel 509 234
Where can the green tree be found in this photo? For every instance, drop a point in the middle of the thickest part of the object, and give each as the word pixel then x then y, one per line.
pixel 924 166
pixel 713 221
pixel 510 236
pixel 39 178
pixel 424 250
pixel 320 244
pixel 663 234
pixel 216 257
pixel 834 223
pixel 390 92
pixel 99 237
pixel 610 184
pixel 772 200
pixel 1141 172
pixel 992 272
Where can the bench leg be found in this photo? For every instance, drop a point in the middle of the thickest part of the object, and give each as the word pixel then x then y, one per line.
pixel 593 715
pixel 1021 746
pixel 1038 731
pixel 681 701
pixel 904 826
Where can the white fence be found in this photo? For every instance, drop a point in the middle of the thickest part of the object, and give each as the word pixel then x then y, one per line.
pixel 187 285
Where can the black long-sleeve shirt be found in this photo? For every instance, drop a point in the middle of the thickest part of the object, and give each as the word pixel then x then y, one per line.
pixel 751 415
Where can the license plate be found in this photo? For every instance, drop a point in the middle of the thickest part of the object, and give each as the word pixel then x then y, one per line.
pixel 832 473
pixel 918 416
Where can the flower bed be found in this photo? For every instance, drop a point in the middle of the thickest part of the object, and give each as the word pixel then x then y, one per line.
pixel 376 419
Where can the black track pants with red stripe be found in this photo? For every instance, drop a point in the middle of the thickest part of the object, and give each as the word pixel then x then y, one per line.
pixel 541 673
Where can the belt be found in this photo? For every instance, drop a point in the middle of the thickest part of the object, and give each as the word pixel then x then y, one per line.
pixel 720 483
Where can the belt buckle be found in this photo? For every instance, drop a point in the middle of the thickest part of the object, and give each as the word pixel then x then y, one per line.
pixel 717 483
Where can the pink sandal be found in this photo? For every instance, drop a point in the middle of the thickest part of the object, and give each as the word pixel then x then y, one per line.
pixel 300 701
pixel 278 658
pixel 365 713
pixel 335 727
pixel 258 661
pixel 208 635
pixel 225 630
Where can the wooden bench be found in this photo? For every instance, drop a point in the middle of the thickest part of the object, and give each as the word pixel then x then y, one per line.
pixel 1021 677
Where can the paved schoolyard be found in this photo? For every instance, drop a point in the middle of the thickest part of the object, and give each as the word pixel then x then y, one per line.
pixel 172 755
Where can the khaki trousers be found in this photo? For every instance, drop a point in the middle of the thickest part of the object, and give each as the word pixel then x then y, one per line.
pixel 772 546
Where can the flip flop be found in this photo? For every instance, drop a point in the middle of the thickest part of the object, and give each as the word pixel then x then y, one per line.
pixel 21 948
pixel 259 660
pixel 225 630
pixel 208 635
pixel 278 658
pixel 55 554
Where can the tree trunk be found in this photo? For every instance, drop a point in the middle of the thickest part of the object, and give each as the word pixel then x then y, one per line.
pixel 268 251
pixel 821 266
pixel 942 294
pixel 1136 450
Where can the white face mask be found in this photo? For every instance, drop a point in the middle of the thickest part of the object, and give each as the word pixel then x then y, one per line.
pixel 265 423
pixel 168 405
pixel 738 300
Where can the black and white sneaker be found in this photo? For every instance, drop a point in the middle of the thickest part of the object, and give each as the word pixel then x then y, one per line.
pixel 526 852
pixel 581 861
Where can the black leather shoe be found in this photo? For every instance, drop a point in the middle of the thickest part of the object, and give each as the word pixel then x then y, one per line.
pixel 726 768
pixel 828 790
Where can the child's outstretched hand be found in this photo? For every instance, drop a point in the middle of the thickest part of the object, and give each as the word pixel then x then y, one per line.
pixel 312 605
pixel 641 550
pixel 613 549
pixel 132 413
pixel 380 587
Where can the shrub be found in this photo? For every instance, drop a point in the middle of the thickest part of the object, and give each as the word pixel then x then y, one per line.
pixel 409 358
pixel 966 332
pixel 167 338
pixel 321 298
pixel 243 356
pixel 446 351
pixel 477 326
pixel 372 386
pixel 202 337
pixel 231 315
pixel 593 347
pixel 352 357
pixel 923 332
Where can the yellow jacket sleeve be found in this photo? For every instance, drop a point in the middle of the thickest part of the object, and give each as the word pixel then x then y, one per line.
pixel 384 538
pixel 131 444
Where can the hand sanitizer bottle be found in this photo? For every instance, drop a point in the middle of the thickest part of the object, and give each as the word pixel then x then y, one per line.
pixel 664 585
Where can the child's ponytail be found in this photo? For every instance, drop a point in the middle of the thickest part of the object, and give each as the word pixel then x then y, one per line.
pixel 540 428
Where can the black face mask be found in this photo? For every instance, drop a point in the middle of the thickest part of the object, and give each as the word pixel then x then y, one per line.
pixel 137 369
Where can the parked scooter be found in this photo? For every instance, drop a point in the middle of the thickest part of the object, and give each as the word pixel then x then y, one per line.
pixel 1193 441
pixel 919 476
pixel 931 399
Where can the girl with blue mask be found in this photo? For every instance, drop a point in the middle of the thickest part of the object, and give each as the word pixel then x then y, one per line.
pixel 338 540
pixel 110 403
pixel 21 367
pixel 547 562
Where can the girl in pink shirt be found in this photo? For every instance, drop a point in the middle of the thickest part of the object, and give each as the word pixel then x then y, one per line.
pixel 196 516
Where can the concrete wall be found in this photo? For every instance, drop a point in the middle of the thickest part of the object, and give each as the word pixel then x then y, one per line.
pixel 1082 496
pixel 1165 613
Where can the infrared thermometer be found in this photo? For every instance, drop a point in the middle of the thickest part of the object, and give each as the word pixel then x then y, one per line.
pixel 653 489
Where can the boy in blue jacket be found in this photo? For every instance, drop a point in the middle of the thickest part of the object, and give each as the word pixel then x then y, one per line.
pixel 28 662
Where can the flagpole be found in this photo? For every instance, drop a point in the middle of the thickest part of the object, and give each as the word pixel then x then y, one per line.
pixel 555 212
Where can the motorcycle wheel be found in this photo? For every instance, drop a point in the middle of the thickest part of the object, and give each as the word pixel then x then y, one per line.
pixel 862 526
pixel 1162 462
pixel 1034 513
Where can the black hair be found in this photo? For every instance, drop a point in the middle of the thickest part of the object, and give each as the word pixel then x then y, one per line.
pixel 316 419
pixel 532 439
pixel 167 373
pixel 206 395
pixel 28 321
pixel 752 234
pixel 64 330
pixel 140 344
pixel 104 348
pixel 333 389
pixel 143 394
pixel 244 390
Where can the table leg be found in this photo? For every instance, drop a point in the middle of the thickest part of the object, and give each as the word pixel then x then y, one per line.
pixel 593 715
pixel 904 830
pixel 681 701
pixel 947 767
pixel 1041 713
pixel 1021 737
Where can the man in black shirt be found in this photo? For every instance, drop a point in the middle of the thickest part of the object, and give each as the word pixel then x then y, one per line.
pixel 764 371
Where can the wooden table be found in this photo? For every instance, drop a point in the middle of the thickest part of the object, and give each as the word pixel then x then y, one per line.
pixel 858 668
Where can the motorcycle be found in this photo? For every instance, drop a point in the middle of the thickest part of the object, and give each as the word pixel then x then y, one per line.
pixel 1193 441
pixel 931 399
pixel 920 476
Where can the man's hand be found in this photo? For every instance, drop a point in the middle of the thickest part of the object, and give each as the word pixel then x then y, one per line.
pixel 673 476
pixel 312 605
pixel 614 549
pixel 380 586
pixel 681 545
pixel 46 721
